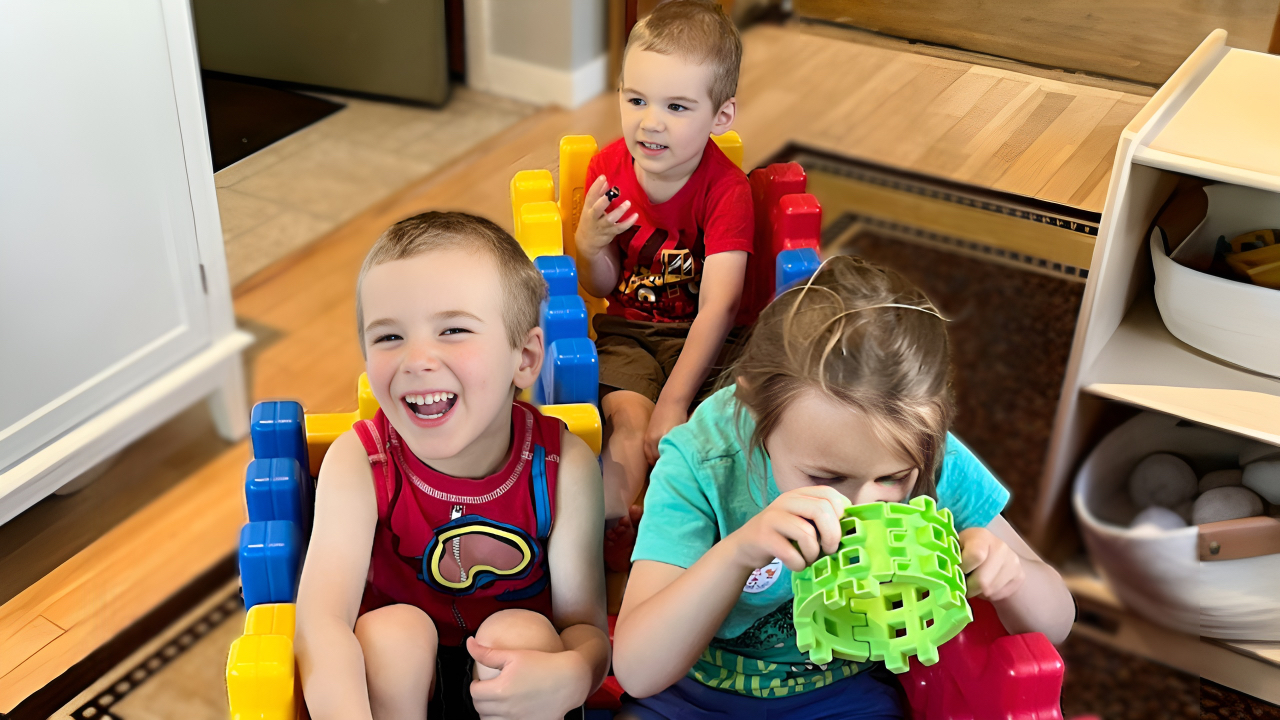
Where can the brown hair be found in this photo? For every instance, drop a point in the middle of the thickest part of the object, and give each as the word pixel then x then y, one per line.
pixel 864 336
pixel 522 284
pixel 696 30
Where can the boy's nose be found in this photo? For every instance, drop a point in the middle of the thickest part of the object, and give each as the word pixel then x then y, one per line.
pixel 422 356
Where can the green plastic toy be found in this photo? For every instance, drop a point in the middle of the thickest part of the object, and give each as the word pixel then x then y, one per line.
pixel 894 588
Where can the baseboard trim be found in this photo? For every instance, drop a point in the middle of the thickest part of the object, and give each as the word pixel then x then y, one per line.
pixel 543 85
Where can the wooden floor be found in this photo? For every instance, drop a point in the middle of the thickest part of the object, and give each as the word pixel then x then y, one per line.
pixel 1027 135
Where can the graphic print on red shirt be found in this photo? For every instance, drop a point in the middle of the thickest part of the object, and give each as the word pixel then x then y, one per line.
pixel 662 254
pixel 462 549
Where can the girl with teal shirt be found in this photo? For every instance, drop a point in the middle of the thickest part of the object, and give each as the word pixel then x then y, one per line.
pixel 840 397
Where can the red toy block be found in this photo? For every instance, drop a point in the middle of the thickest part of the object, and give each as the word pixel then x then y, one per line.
pixel 986 674
pixel 768 186
pixel 797 223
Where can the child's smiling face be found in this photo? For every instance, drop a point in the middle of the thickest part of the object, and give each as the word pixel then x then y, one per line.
pixel 667 113
pixel 819 441
pixel 439 360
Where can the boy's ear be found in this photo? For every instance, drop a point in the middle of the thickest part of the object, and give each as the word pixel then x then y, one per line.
pixel 724 117
pixel 532 353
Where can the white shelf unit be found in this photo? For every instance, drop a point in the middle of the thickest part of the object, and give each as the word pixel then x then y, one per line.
pixel 1216 119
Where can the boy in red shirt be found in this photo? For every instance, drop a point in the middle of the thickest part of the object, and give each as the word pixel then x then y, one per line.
pixel 665 236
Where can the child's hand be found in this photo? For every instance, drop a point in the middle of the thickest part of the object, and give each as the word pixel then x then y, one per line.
pixel 666 415
pixel 797 528
pixel 596 228
pixel 530 685
pixel 994 570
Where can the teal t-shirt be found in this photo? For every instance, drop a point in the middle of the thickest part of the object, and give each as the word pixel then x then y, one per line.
pixel 699 492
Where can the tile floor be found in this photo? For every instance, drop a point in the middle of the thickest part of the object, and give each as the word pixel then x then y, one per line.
pixel 293 192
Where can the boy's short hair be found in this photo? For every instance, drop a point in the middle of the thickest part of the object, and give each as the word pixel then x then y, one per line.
pixel 697 30
pixel 522 284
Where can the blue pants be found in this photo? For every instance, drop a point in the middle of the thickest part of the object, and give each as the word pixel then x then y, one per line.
pixel 860 697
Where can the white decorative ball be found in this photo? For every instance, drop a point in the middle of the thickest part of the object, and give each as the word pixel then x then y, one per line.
pixel 1226 503
pixel 1159 518
pixel 1161 479
pixel 1263 477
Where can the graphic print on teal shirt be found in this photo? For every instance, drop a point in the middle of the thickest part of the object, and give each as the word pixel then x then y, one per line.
pixel 699 493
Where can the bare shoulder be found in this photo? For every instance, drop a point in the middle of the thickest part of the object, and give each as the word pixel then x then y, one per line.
pixel 579 487
pixel 578 464
pixel 346 465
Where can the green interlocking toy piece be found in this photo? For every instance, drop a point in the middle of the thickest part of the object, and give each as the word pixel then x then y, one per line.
pixel 894 588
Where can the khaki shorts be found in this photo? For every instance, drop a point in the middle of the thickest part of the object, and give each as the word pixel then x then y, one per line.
pixel 639 356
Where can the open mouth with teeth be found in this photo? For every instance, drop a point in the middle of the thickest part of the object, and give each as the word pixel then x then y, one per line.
pixel 651 147
pixel 430 406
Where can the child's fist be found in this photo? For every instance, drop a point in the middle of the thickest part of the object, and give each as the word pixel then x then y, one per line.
pixel 994 571
pixel 596 227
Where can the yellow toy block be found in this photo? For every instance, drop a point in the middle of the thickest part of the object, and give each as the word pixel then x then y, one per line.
pixel 575 152
pixel 324 428
pixel 540 232
pixel 260 678
pixel 731 145
pixel 271 619
pixel 529 186
pixel 582 419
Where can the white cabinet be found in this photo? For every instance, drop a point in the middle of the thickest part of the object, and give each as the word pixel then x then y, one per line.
pixel 1216 118
pixel 115 308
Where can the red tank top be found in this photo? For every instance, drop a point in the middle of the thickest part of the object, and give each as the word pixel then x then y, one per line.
pixel 462 549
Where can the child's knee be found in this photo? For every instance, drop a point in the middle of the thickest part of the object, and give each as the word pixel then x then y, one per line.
pixel 519 630
pixel 626 411
pixel 396 629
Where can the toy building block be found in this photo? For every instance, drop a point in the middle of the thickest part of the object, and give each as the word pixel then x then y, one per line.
pixel 894 588
pixel 985 673
pixel 571 372
pixel 276 429
pixel 797 222
pixel 795 266
pixel 582 420
pixel 731 145
pixel 576 152
pixel 270 557
pixel 539 231
pixel 562 317
pixel 560 273
pixel 277 489
pixel 768 186
pixel 324 428
pixel 528 186
pixel 260 678
pixel 271 619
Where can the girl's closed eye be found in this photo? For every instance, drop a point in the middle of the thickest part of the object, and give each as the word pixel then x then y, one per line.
pixel 896 478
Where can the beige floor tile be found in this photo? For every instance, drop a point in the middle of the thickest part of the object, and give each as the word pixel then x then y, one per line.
pixel 382 126
pixel 334 179
pixel 280 150
pixel 241 213
pixel 252 251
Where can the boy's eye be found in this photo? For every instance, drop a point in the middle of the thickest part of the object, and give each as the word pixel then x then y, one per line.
pixel 455 331
pixel 636 101
pixel 389 337
pixel 676 107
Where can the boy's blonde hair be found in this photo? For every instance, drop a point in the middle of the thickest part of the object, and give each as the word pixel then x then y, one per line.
pixel 696 30
pixel 522 284
pixel 861 335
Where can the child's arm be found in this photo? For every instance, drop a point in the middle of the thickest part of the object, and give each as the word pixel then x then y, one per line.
pixel 684 608
pixel 1028 594
pixel 330 661
pixel 555 683
pixel 599 264
pixel 720 293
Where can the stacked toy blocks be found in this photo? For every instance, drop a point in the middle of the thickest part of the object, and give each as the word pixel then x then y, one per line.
pixel 788 228
pixel 261 683
pixel 987 674
pixel 568 387
pixel 893 590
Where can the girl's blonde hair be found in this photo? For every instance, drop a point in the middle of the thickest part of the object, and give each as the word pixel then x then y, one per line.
pixel 864 336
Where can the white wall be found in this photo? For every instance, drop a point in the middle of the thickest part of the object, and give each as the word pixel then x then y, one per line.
pixel 540 51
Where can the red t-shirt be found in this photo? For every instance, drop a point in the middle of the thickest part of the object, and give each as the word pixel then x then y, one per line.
pixel 662 254
pixel 461 550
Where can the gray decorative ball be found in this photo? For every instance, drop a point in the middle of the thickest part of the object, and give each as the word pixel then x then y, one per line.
pixel 1226 503
pixel 1220 478
pixel 1161 479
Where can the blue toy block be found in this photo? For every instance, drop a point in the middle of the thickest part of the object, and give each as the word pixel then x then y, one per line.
pixel 794 266
pixel 276 489
pixel 559 272
pixel 270 556
pixel 571 372
pixel 278 430
pixel 562 316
